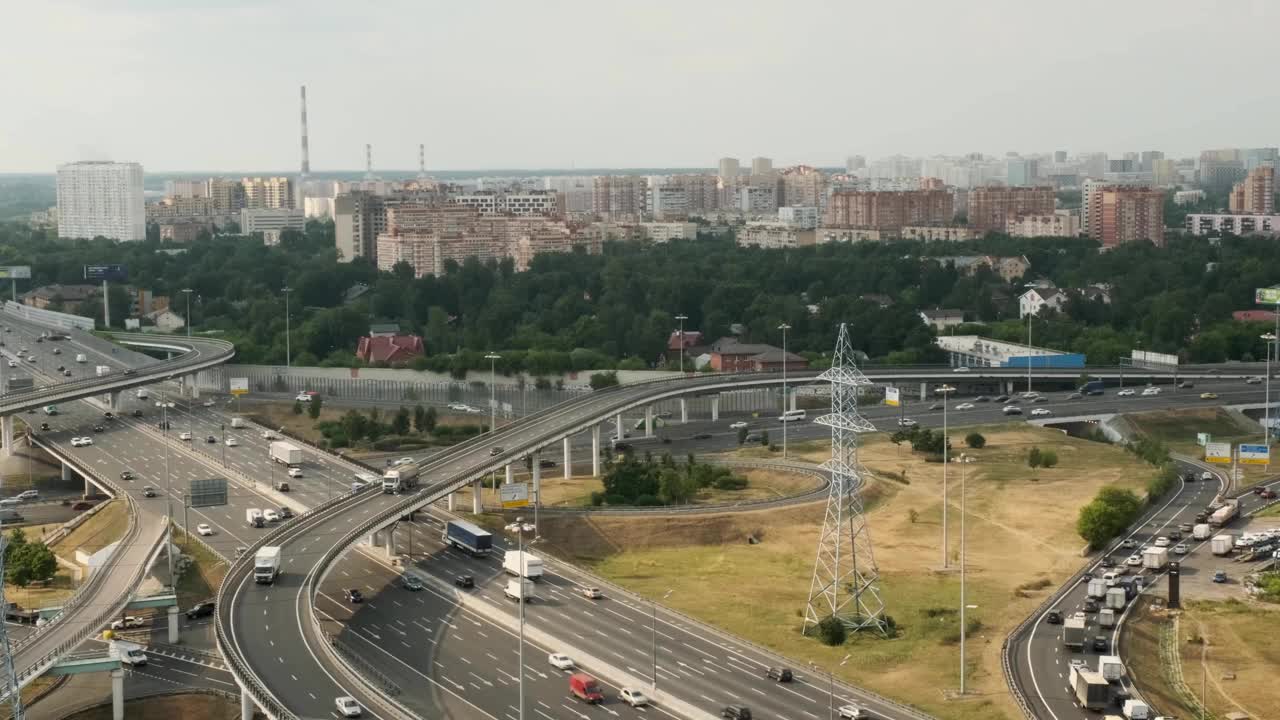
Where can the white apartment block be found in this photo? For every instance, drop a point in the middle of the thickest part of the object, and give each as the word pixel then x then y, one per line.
pixel 1059 224
pixel 271 222
pixel 1187 197
pixel 758 200
pixel 661 232
pixel 805 218
pixel 668 201
pixel 537 202
pixel 774 236
pixel 101 199
pixel 1216 223
pixel 939 233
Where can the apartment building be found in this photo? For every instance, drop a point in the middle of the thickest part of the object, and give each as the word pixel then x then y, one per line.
pixel 101 199
pixel 273 193
pixel 775 236
pixel 938 233
pixel 702 192
pixel 271 222
pixel 1255 195
pixel 803 185
pixel 758 199
pixel 805 218
pixel 662 232
pixel 227 195
pixel 888 210
pixel 618 195
pixel 358 219
pixel 1235 224
pixel 548 203
pixel 1061 223
pixel 729 168
pixel 668 202
pixel 991 207
pixel 1130 214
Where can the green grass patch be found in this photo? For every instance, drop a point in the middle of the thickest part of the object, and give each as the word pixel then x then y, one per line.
pixel 203 577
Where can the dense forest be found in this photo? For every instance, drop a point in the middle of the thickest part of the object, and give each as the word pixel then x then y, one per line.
pixel 577 311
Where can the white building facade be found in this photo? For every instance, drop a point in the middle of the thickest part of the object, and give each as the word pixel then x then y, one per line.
pixel 101 199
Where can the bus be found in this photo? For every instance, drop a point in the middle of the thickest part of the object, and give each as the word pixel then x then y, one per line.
pixel 790 415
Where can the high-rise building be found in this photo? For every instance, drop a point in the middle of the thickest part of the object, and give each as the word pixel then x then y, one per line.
pixel 1148 159
pixel 101 199
pixel 576 190
pixel 854 163
pixel 758 199
pixel 186 188
pixel 1130 213
pixel 702 192
pixel 1022 171
pixel 1091 203
pixel 1164 172
pixel 618 196
pixel 761 166
pixel 888 210
pixel 272 193
pixel 803 185
pixel 990 208
pixel 729 168
pixel 668 202
pixel 1255 195
pixel 358 219
pixel 227 195
pixel 1059 157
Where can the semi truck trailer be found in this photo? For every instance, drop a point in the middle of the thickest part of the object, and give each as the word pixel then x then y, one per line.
pixel 400 477
pixel 285 453
pixel 467 537
pixel 266 564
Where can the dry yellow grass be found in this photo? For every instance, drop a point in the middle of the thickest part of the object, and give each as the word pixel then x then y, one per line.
pixel 187 707
pixel 1241 655
pixel 106 526
pixel 1021 543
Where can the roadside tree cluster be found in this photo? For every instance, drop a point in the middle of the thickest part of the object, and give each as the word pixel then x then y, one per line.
pixel 1107 515
pixel 27 561
pixel 629 481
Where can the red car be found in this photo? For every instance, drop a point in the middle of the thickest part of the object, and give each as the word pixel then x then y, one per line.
pixel 585 687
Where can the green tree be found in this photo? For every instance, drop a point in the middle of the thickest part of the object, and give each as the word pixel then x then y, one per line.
pixel 764 437
pixel 297 407
pixel 742 436
pixel 30 562
pixel 432 417
pixel 602 380
pixel 315 406
pixel 1048 458
pixel 1034 458
pixel 419 418
pixel 975 440
pixel 831 631
pixel 400 422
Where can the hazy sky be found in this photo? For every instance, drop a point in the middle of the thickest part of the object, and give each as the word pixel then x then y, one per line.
pixel 213 85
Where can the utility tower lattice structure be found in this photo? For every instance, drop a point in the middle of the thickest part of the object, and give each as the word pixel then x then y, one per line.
pixel 8 678
pixel 845 579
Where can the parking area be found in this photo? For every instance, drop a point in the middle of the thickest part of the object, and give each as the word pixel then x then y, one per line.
pixel 1199 566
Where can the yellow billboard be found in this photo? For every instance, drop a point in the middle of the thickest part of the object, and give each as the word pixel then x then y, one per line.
pixel 892 396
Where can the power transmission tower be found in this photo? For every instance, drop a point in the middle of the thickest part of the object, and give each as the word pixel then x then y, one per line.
pixel 845 578
pixel 8 680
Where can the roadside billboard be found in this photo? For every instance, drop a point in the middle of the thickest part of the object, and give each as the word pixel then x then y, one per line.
pixel 892 396
pixel 15 272
pixel 1255 454
pixel 514 495
pixel 239 386
pixel 1146 358
pixel 1217 452
pixel 1267 296
pixel 113 273
pixel 1203 439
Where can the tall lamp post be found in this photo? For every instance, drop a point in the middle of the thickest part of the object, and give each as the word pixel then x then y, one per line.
pixel 187 292
pixel 831 686
pixel 946 391
pixel 493 359
pixel 1031 311
pixel 653 634
pixel 682 317
pixel 963 606
pixel 1266 404
pixel 520 527
pixel 287 355
pixel 784 328
pixel 168 477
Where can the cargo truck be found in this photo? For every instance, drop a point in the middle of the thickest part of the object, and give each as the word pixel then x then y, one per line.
pixel 1116 598
pixel 1107 617
pixel 467 537
pixel 254 518
pixel 285 453
pixel 400 477
pixel 520 590
pixel 80 358
pixel 104 370
pixel 1224 514
pixel 1201 531
pixel 266 564
pixel 238 422
pixel 1155 558
pixel 522 564
pixel 1097 588
pixel 129 653
pixel 1136 710
pixel 1221 544
pixel 1073 632
pixel 1111 667
pixel 143 393
pixel 1093 387
pixel 1091 688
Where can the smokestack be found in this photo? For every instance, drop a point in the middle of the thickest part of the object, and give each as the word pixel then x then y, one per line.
pixel 306 154
pixel 368 161
pixel 422 160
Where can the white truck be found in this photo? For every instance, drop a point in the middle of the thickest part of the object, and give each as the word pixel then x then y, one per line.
pixel 1221 544
pixel 285 453
pixel 1073 632
pixel 1201 531
pixel 80 358
pixel 1106 617
pixel 143 394
pixel 1224 514
pixel 266 564
pixel 254 517
pixel 400 477
pixel 238 422
pixel 530 568
pixel 521 590
pixel 1111 667
pixel 128 652
pixel 1097 588
pixel 1116 598
pixel 1155 558
pixel 1136 710
pixel 103 370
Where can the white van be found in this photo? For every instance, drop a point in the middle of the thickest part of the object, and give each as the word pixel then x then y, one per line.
pixel 238 422
pixel 81 358
pixel 143 394
pixel 790 415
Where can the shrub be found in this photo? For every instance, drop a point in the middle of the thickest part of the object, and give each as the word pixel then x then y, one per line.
pixel 730 482
pixel 297 407
pixel 614 499
pixel 647 500
pixel 1048 458
pixel 975 440
pixel 597 498
pixel 831 631
pixel 1034 458
pixel 764 438
pixel 602 380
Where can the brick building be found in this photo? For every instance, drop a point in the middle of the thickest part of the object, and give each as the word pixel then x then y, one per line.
pixel 1255 195
pixel 888 210
pixel 1131 213
pixel 990 208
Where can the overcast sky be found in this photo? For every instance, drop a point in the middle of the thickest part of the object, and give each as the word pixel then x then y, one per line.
pixel 213 84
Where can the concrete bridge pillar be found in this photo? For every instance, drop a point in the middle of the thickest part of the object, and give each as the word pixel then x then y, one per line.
pixel 510 473
pixel 791 399
pixel 648 421
pixel 924 391
pixel 449 502
pixel 195 387
pixel 715 408
pixel 66 472
pixel 174 629
pixel 595 451
pixel 476 489
pixel 6 434
pixel 568 460
pixel 537 480
pixel 389 542
pixel 117 694
pixel 113 401
pixel 617 422
pixel 246 705
pixel 684 411
pixel 88 487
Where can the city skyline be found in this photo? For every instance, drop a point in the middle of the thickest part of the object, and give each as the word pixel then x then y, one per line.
pixel 501 104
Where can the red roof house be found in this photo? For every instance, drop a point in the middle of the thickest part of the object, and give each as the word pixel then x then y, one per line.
pixel 390 349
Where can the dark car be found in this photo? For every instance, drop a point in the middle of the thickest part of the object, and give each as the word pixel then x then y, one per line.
pixel 495 451
pixel 61 368
pixel 1189 477
pixel 780 674
pixel 702 436
pixel 1091 605
pixel 108 415
pixel 464 581
pixel 164 425
pixel 622 447
pixel 1075 396
pixel 148 491
pixel 211 439
pixel 1054 617
pixel 1041 399
pixel 736 712
pixel 936 406
pixel 1175 535
pixel 354 596
pixel 127 475
pixel 1100 643
pixel 1001 398
pixel 66 373
pixel 412 583
pixel 44 427
pixel 82 506
pixel 1220 576
pixel 204 609
pixel 99 428
pixel 56 351
pixel 130 371
pixel 137 413
pixel 1186 384
pixel 546 463
pixel 285 512
pixel 1107 561
pixel 1201 517
pixel 982 398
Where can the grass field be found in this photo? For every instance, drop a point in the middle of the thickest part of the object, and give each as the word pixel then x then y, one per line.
pixel 187 707
pixel 1021 543
pixel 105 527
pixel 1240 658
pixel 281 415
pixel 1178 428
pixel 202 579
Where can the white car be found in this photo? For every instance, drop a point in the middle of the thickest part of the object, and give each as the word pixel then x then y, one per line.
pixel 1134 560
pixel 962 368
pixel 1128 543
pixel 208 403
pixel 271 515
pixel 1162 541
pixel 1253 380
pixel 404 461
pixel 1148 392
pixel 13 364
pixel 303 397
pixel 738 425
pixel 184 435
pixel 204 529
pixel 471 409
pixel 269 435
pixel 1126 392
pixel 81 441
pixel 1041 412
pixel 128 622
pixel 1180 549
pixel 852 712
pixel 633 697
pixel 232 442
pixel 560 661
pixel 460 407
pixel 295 472
pixel 348 707
pixel 907 422
pixel 965 406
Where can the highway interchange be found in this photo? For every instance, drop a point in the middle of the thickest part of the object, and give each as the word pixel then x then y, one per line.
pixel 711 670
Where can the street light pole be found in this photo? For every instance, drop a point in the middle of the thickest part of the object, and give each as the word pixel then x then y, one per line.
pixel 784 328
pixel 493 358
pixel 946 390
pixel 168 480
pixel 1029 352
pixel 187 292
pixel 962 597
pixel 653 634
pixel 1266 404
pixel 288 357
pixel 520 527
pixel 682 317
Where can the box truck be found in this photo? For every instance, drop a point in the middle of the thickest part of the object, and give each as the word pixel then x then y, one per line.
pixel 1201 531
pixel 1221 544
pixel 1073 631
pixel 400 477
pixel 524 564
pixel 285 453
pixel 238 422
pixel 1111 667
pixel 1224 514
pixel 1091 688
pixel 1116 598
pixel 1107 616
pixel 1155 558
pixel 266 564
pixel 467 537
pixel 103 370
pixel 143 393
pixel 80 358
pixel 1136 710
pixel 253 517
pixel 1097 588
pixel 520 590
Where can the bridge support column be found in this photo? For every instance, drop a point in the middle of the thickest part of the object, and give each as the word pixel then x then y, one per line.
pixel 117 694
pixel 595 451
pixel 449 502
pixel 617 423
pixel 511 474
pixel 477 487
pixel 195 387
pixel 537 480
pixel 173 625
pixel 246 705
pixel 924 391
pixel 389 538
pixel 684 411
pixel 66 472
pixel 88 487
pixel 568 460
pixel 648 421
pixel 791 399
pixel 6 434
pixel 715 408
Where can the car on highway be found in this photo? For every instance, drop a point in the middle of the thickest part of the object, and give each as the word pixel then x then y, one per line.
pixel 148 491
pixel 1162 541
pixel 965 406
pixel 1054 617
pixel 961 369
pixel 1208 396
pixel 779 674
pixel 204 529
pixel 735 712
pixel 269 435
pixel 130 371
pixel 282 486
pixel 1206 475
pixel 633 697
pixel 495 450
pixel 1075 396
pixel 81 441
pixel 1180 549
pixel 354 596
pixel 184 435
pixel 128 622
pixel 270 515
pixel 1010 410
pixel 305 396
pixel 411 582
pixel 67 373
pixel 547 463
pixel 560 661
pixel 1000 398
pixel 1090 605
pixel 1175 535
pixel 204 609
pixel 1186 527
pixel 1100 643
pixel 464 581
pixel 1253 380
pixel 584 687
pixel 127 475
pixel 907 422
pixel 1107 561
pixel 44 427
pixel 702 436
pixel 1133 560
pixel 285 512
pixel 208 403
pixel 232 442
pixel 1126 392
pixel 935 406
pixel 135 413
pixel 1149 391
pixel 1041 412
pixel 347 706
pixel 295 472
pixel 1186 384
pixel 1220 576
pixel 210 439
pixel 591 593
pixel 738 425
pixel 982 398
pixel 852 712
